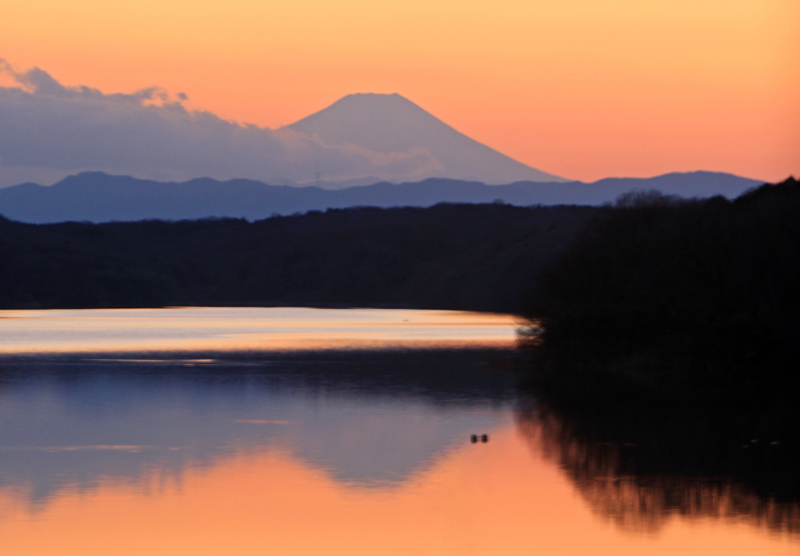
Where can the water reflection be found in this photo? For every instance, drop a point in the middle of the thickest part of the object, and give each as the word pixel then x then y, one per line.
pixel 317 454
pixel 240 329
pixel 211 450
pixel 365 418
pixel 642 471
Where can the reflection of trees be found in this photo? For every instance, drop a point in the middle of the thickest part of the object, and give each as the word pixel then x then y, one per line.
pixel 641 472
pixel 665 343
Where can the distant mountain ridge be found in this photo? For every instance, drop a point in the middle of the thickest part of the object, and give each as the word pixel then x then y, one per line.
pixel 389 124
pixel 100 197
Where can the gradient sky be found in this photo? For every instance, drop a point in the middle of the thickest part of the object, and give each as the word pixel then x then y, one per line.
pixel 580 88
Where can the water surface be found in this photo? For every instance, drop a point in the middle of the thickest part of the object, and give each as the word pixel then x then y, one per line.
pixel 246 329
pixel 305 431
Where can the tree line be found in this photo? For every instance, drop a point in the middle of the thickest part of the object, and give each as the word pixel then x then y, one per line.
pixel 450 256
pixel 696 297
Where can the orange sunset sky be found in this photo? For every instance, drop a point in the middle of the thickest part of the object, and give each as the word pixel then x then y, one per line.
pixel 584 89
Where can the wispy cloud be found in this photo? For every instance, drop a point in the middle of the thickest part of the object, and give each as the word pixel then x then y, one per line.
pixel 48 128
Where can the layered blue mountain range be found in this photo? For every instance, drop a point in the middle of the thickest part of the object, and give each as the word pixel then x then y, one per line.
pixel 100 197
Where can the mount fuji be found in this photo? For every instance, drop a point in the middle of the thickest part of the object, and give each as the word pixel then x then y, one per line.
pixel 389 124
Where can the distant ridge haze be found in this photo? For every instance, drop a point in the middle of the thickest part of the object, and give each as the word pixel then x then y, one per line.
pixel 389 124
pixel 99 197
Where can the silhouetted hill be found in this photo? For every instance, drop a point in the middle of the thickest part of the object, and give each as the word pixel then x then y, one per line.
pixel 692 299
pixel 479 257
pixel 99 197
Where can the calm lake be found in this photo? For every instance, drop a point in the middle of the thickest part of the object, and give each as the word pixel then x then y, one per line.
pixel 244 431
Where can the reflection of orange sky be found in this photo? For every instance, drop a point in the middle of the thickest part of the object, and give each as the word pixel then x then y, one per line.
pixel 194 329
pixel 490 498
pixel 581 88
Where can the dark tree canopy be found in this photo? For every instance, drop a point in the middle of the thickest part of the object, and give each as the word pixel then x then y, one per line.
pixel 450 256
pixel 697 294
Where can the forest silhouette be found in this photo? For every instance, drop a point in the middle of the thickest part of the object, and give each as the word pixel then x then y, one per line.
pixel 685 297
pixel 450 256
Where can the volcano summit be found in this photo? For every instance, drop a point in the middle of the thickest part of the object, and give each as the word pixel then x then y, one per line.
pixel 389 124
